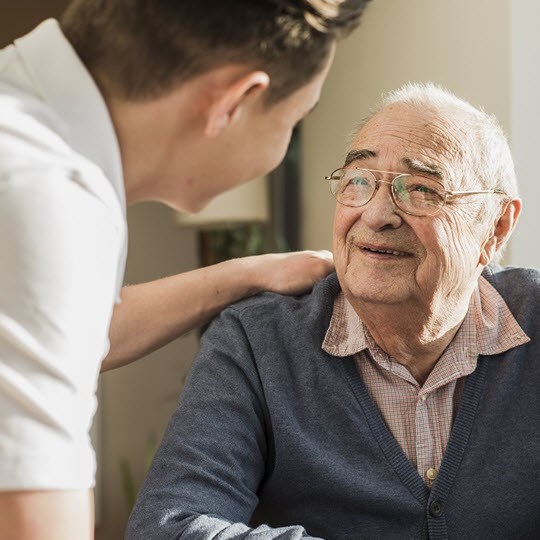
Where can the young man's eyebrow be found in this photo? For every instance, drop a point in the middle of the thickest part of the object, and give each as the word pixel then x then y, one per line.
pixel 356 155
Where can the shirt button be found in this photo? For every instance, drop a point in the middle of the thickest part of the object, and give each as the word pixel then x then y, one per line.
pixel 431 474
pixel 424 397
pixel 436 508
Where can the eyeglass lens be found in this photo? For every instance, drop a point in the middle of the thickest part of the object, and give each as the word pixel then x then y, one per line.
pixel 416 195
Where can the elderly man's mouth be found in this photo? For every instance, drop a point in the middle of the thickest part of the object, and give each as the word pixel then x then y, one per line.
pixel 384 251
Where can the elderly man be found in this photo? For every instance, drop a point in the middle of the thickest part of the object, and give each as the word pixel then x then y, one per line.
pixel 400 398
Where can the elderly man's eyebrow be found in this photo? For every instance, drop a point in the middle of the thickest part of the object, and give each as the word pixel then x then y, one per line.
pixel 415 165
pixel 355 155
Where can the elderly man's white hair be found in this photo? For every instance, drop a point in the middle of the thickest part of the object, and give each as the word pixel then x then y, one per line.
pixel 487 162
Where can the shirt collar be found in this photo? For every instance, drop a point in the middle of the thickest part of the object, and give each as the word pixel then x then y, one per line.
pixel 68 88
pixel 490 326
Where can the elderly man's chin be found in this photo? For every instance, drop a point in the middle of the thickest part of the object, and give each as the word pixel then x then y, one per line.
pixel 376 286
pixel 372 278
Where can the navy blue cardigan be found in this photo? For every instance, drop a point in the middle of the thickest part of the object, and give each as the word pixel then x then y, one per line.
pixel 271 429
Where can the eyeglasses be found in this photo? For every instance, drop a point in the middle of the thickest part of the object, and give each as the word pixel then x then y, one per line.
pixel 415 195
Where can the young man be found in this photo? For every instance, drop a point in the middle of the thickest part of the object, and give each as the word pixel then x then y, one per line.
pixel 122 102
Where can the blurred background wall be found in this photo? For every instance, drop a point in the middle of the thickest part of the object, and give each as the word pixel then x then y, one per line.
pixel 486 51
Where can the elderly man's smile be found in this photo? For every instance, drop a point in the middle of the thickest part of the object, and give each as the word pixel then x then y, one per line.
pixel 382 251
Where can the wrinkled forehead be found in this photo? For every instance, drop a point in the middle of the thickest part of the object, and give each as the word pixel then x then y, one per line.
pixel 401 134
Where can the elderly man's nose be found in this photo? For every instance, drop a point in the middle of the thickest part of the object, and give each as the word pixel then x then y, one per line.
pixel 380 211
pixel 382 195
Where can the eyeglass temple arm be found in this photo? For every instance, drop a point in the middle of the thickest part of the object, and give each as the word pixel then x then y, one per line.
pixel 460 193
pixel 450 193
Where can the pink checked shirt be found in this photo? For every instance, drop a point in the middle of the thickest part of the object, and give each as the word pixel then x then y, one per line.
pixel 420 417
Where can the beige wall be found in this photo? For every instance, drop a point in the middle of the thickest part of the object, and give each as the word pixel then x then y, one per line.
pixel 463 45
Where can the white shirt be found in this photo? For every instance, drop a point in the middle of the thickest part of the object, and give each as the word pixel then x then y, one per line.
pixel 62 256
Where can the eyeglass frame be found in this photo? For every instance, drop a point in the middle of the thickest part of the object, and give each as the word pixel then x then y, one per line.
pixel 378 182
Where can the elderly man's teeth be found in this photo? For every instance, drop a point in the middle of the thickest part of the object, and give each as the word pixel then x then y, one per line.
pixel 389 251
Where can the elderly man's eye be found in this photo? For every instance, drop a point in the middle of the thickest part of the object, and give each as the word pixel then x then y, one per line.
pixel 359 181
pixel 422 188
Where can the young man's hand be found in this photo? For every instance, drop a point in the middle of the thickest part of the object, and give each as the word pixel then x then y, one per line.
pixel 289 273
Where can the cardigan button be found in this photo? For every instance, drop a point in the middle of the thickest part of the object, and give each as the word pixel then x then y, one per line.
pixel 436 509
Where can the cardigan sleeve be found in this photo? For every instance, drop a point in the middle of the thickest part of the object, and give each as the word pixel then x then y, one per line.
pixel 204 480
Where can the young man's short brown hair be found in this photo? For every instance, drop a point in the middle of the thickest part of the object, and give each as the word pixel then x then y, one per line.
pixel 140 49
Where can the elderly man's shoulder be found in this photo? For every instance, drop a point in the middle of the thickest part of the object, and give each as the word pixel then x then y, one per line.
pixel 277 327
pixel 322 295
pixel 517 279
pixel 520 289
pixel 270 316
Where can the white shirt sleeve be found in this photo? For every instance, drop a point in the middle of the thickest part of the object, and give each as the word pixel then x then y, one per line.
pixel 59 249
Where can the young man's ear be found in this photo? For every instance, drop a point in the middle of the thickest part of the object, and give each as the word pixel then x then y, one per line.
pixel 222 109
pixel 501 231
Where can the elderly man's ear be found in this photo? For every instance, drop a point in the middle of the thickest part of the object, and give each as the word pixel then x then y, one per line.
pixel 501 231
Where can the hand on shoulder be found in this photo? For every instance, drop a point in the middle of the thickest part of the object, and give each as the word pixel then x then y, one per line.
pixel 289 273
